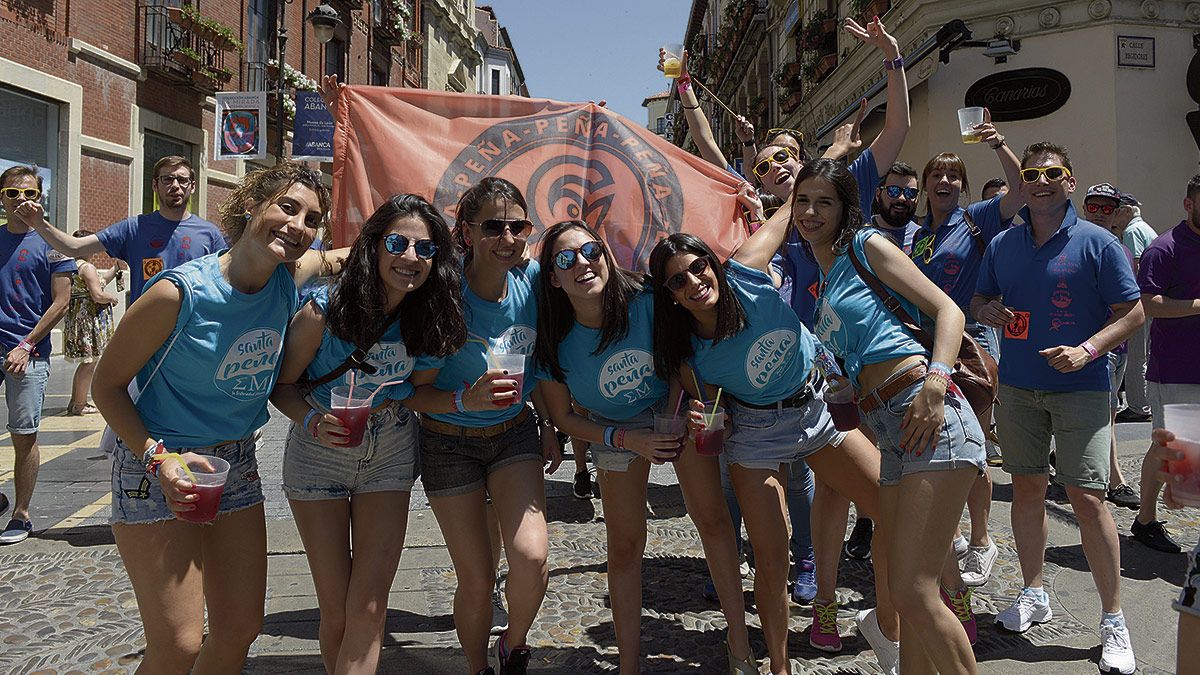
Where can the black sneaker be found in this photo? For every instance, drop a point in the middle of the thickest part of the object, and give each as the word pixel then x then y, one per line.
pixel 1154 534
pixel 1123 495
pixel 514 661
pixel 1131 416
pixel 499 613
pixel 583 485
pixel 858 546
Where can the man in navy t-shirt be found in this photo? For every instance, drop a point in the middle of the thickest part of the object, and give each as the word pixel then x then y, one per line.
pixel 151 242
pixel 35 287
pixel 1051 284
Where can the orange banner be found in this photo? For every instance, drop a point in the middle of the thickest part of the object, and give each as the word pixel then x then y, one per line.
pixel 570 160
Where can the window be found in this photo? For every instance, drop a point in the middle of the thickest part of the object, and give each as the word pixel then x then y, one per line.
pixel 160 32
pixel 260 45
pixel 154 148
pixel 37 142
pixel 379 74
pixel 495 81
pixel 660 126
pixel 335 58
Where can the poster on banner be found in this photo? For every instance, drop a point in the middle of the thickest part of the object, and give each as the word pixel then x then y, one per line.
pixel 240 131
pixel 312 135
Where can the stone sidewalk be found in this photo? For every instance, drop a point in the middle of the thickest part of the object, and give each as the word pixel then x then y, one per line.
pixel 66 605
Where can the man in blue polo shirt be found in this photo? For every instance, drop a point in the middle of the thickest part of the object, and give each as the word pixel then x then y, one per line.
pixel 151 242
pixel 35 287
pixel 1051 285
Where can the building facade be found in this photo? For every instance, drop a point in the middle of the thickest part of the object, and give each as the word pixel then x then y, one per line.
pixel 500 71
pixel 660 118
pixel 449 39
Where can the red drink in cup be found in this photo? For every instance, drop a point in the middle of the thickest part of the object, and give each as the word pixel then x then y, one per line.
pixel 677 427
pixel 515 365
pixel 353 412
pixel 843 408
pixel 710 441
pixel 210 474
pixel 1183 420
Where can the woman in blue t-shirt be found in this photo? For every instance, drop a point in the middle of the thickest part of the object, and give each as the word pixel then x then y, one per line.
pixel 204 343
pixel 397 306
pixel 725 327
pixel 930 441
pixel 595 339
pixel 480 440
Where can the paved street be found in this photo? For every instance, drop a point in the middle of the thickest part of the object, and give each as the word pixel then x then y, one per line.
pixel 66 605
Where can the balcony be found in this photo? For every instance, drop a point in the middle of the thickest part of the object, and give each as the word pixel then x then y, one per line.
pixel 182 51
pixel 391 21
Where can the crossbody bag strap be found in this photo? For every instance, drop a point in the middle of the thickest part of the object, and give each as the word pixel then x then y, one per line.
pixel 889 301
pixel 976 233
pixel 357 359
pixel 175 336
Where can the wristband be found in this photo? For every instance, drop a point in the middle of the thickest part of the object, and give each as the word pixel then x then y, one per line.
pixel 26 345
pixel 684 83
pixel 999 145
pixel 545 422
pixel 621 439
pixel 941 368
pixel 1088 347
pixel 894 64
pixel 312 412
pixel 608 436
pixel 458 400
pixel 935 375
pixel 148 457
pixel 689 107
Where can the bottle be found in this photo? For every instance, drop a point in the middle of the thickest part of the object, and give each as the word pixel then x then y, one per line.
pixel 120 280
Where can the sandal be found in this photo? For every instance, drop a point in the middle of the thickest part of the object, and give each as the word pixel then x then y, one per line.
pixel 85 409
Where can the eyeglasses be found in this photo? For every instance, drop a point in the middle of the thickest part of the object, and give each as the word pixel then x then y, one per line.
pixel 677 281
pixel 779 157
pixel 30 194
pixel 1053 173
pixel 183 181
pixel 397 244
pixel 894 191
pixel 566 258
pixel 798 135
pixel 494 227
pixel 1106 209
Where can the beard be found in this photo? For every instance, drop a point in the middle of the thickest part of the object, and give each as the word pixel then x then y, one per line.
pixel 896 217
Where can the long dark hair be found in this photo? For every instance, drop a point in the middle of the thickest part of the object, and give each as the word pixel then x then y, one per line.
pixel 433 321
pixel 556 315
pixel 852 219
pixel 472 201
pixel 672 323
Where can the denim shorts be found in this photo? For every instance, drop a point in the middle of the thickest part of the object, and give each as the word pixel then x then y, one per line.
pixel 1116 375
pixel 960 443
pixel 1078 421
pixel 1189 595
pixel 458 464
pixel 24 395
pixel 617 459
pixel 985 335
pixel 385 460
pixel 771 438
pixel 137 497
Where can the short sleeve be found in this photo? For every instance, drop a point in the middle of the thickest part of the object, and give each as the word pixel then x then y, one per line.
pixel 115 238
pixel 987 285
pixel 748 275
pixel 1117 283
pixel 59 263
pixel 986 215
pixel 427 362
pixel 1154 271
pixel 866 174
pixel 1137 241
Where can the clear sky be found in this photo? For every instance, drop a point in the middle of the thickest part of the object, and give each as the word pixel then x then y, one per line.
pixel 574 50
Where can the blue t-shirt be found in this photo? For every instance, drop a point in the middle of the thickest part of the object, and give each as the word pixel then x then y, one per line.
pixel 902 237
pixel 770 358
pixel 1061 292
pixel 389 356
pixel 150 244
pixel 954 267
pixel 619 382
pixel 854 323
pixel 218 373
pixel 866 174
pixel 506 326
pixel 27 264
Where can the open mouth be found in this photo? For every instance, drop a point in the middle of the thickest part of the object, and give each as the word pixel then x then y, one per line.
pixel 406 273
pixel 701 294
pixel 1043 193
pixel 286 239
pixel 584 278
pixel 942 192
pixel 782 176
pixel 505 254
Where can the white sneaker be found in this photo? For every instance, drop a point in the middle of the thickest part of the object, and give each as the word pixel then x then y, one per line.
pixel 977 564
pixel 886 651
pixel 1117 652
pixel 961 546
pixel 1026 611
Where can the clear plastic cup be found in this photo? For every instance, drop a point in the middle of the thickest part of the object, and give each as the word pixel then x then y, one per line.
pixel 515 365
pixel 710 441
pixel 210 475
pixel 674 425
pixel 967 119
pixel 353 412
pixel 672 60
pixel 1183 420
pixel 842 404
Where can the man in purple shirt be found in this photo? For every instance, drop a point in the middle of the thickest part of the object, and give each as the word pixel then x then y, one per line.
pixel 1169 278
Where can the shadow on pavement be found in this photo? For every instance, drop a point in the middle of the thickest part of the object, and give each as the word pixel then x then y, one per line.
pixel 81 537
pixel 303 623
pixel 1137 561
pixel 1027 652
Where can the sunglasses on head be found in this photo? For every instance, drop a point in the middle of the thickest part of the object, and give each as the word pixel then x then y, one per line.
pixel 1106 209
pixel 30 194
pixel 798 135
pixel 397 244
pixel 1053 173
pixel 894 191
pixel 678 280
pixel 778 157
pixel 494 227
pixel 566 258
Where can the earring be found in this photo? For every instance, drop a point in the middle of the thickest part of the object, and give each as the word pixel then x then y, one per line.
pixel 247 216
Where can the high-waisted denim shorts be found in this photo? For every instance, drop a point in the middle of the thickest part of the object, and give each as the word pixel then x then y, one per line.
pixel 771 438
pixel 459 464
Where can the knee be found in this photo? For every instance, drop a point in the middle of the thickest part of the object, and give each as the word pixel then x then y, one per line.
pixel 175 654
pixel 333 620
pixel 1030 491
pixel 477 582
pixel 368 613
pixel 914 600
pixel 235 634
pixel 626 551
pixel 1087 504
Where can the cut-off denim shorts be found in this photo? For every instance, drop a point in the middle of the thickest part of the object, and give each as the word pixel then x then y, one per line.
pixel 25 395
pixel 459 464
pixel 960 443
pixel 771 438
pixel 137 497
pixel 616 459
pixel 386 460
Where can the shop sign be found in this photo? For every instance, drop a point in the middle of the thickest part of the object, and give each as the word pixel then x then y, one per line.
pixel 1022 94
pixel 1135 52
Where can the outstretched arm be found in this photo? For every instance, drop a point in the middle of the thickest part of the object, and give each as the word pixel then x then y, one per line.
pixel 692 112
pixel 1011 202
pixel 886 146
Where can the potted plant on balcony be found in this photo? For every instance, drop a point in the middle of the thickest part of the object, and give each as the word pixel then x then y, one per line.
pixel 866 10
pixel 824 65
pixel 820 33
pixel 220 73
pixel 187 57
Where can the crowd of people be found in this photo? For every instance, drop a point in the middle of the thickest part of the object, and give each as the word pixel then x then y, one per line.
pixel 474 354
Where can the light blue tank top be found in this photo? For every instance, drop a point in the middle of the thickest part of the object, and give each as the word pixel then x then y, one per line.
pixel 853 322
pixel 618 383
pixel 214 383
pixel 771 357
pixel 506 326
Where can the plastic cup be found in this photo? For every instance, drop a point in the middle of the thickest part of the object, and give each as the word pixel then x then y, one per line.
pixel 353 412
pixel 1183 420
pixel 672 60
pixel 209 485
pixel 674 425
pixel 515 365
pixel 710 441
pixel 842 404
pixel 967 119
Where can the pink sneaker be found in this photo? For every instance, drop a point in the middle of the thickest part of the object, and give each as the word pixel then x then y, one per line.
pixel 824 632
pixel 960 604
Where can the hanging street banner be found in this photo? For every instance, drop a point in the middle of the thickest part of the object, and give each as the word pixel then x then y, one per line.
pixel 240 125
pixel 312 132
pixel 570 160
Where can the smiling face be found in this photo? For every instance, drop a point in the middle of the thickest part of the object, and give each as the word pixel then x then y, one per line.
pixel 505 250
pixel 288 224
pixel 943 188
pixel 817 211
pixel 698 291
pixel 897 211
pixel 404 272
pixel 781 176
pixel 584 280
pixel 1046 196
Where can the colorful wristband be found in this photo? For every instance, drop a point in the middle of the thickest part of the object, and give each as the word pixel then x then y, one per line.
pixel 308 418
pixel 148 457
pixel 941 368
pixel 894 64
pixel 26 345
pixel 608 436
pixel 458 400
pixel 684 83
pixel 1088 347
pixel 621 439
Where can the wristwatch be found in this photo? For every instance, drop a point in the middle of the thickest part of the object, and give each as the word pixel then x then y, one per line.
pixel 545 422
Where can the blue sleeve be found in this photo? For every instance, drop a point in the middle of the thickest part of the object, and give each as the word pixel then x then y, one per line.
pixel 60 264
pixel 987 217
pixel 749 279
pixel 116 237
pixel 866 174
pixel 987 284
pixel 427 362
pixel 1117 283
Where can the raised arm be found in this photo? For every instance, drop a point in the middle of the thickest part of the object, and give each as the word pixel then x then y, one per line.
pixel 34 215
pixel 847 138
pixel 886 146
pixel 758 250
pixel 692 112
pixel 1011 202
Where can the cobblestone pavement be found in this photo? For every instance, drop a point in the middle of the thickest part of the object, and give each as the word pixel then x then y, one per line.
pixel 66 605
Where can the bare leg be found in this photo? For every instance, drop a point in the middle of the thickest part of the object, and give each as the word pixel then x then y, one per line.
pixel 463 521
pixel 494 538
pixel 1029 524
pixel 761 494
pixel 25 472
pixel 624 496
pixel 579 448
pixel 1115 476
pixel 519 497
pixel 1098 533
pixel 1150 487
pixel 234 550
pixel 979 506
pixel 81 384
pixel 830 511
pixel 324 527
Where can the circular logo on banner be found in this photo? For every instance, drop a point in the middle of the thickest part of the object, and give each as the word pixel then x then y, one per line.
pixel 576 165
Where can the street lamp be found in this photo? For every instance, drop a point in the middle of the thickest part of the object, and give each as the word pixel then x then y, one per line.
pixel 324 20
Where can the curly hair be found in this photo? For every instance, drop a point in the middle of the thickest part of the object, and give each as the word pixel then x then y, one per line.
pixel 263 186
pixel 474 199
pixel 846 187
pixel 431 316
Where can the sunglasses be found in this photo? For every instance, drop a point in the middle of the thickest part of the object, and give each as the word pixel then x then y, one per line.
pixel 397 244
pixel 1106 209
pixel 566 258
pixel 1053 173
pixel 798 135
pixel 678 280
pixel 778 157
pixel 494 227
pixel 183 181
pixel 30 194
pixel 894 191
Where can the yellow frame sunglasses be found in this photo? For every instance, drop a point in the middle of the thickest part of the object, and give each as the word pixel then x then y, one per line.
pixel 763 166
pixel 1032 174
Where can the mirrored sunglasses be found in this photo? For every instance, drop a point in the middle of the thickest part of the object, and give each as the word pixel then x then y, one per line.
pixel 894 191
pixel 566 258
pixel 397 244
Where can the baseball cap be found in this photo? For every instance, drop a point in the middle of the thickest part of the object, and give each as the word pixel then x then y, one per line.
pixel 1103 190
pixel 1127 199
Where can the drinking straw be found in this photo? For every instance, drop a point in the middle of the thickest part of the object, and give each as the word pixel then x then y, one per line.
pixel 679 402
pixel 699 391
pixel 385 384
pixel 175 456
pixel 713 415
pixel 350 394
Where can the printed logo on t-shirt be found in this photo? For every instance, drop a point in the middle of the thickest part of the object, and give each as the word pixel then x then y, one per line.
pixel 391 362
pixel 624 376
pixel 516 339
pixel 151 266
pixel 767 354
pixel 1018 328
pixel 248 370
pixel 54 256
pixel 828 325
pixel 814 289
